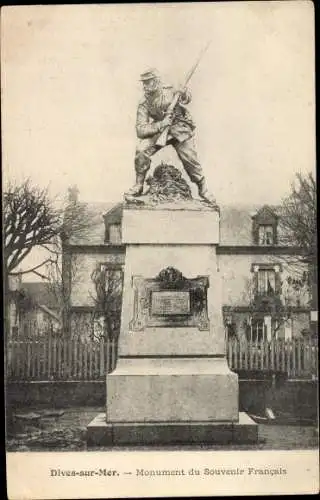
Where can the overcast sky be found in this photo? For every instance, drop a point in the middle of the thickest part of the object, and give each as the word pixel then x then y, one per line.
pixel 70 78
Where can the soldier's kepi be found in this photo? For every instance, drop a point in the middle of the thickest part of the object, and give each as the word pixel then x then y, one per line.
pixel 156 118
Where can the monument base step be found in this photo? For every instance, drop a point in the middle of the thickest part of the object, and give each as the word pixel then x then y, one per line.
pixel 102 433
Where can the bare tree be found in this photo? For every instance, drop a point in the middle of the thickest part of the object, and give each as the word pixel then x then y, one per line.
pixel 77 221
pixel 61 274
pixel 108 283
pixel 29 220
pixel 298 225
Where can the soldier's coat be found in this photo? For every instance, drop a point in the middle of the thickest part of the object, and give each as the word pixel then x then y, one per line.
pixel 152 109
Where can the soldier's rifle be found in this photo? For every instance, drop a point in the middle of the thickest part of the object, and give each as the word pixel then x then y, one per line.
pixel 162 139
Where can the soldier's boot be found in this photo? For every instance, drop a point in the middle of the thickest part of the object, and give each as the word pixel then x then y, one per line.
pixel 137 189
pixel 204 193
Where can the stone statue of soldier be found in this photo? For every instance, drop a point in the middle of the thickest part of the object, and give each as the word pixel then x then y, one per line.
pixel 152 119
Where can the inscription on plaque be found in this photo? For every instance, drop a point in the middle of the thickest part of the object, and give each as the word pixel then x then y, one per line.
pixel 169 300
pixel 169 303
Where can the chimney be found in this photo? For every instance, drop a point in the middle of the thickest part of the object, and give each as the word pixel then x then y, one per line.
pixel 73 194
pixel 15 282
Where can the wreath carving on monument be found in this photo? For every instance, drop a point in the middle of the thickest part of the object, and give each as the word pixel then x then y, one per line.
pixel 171 277
pixel 167 184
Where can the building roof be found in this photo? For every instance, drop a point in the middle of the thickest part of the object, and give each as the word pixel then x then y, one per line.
pixel 95 234
pixel 235 223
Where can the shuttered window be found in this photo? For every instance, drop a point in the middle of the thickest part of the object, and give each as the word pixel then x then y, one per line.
pixel 266 282
pixel 266 235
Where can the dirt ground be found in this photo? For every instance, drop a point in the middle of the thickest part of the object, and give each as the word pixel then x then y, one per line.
pixel 65 430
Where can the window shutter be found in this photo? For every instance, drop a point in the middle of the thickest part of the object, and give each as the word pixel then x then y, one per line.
pixel 275 233
pixel 107 234
pixel 255 280
pixel 255 232
pixel 278 282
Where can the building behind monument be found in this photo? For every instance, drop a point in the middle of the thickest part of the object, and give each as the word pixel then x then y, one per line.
pixel 263 298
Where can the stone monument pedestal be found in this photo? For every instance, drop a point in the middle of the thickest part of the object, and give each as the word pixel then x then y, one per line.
pixel 172 383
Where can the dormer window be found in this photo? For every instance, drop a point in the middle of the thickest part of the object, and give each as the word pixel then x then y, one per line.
pixel 265 234
pixel 264 227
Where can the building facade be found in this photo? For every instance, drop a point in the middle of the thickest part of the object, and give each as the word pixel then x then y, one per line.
pixel 33 309
pixel 262 297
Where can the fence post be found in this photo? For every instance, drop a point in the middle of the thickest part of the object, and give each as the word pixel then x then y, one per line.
pixel 291 370
pixel 96 361
pixel 262 354
pixel 65 359
pixel 59 359
pixel 306 354
pixel 272 355
pixel 90 362
pixel 230 351
pixel 299 354
pixel 102 353
pixel 28 360
pixel 11 358
pixel 241 352
pixel 283 356
pixel 85 360
pixel 75 358
pixel 80 359
pixel 49 356
pixel 249 347
pixel 245 347
pixel 113 351
pixel 16 364
pixel 38 355
pixel 54 358
pixel 69 358
pixel 236 354
pixel 33 363
pixel 8 359
pixel 45 357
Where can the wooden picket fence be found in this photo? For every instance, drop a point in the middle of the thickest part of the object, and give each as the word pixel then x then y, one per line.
pixel 296 358
pixel 58 359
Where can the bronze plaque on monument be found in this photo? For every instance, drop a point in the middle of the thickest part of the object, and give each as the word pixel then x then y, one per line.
pixel 167 303
pixel 170 300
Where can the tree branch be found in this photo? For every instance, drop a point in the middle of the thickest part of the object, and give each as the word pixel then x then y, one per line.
pixel 32 269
